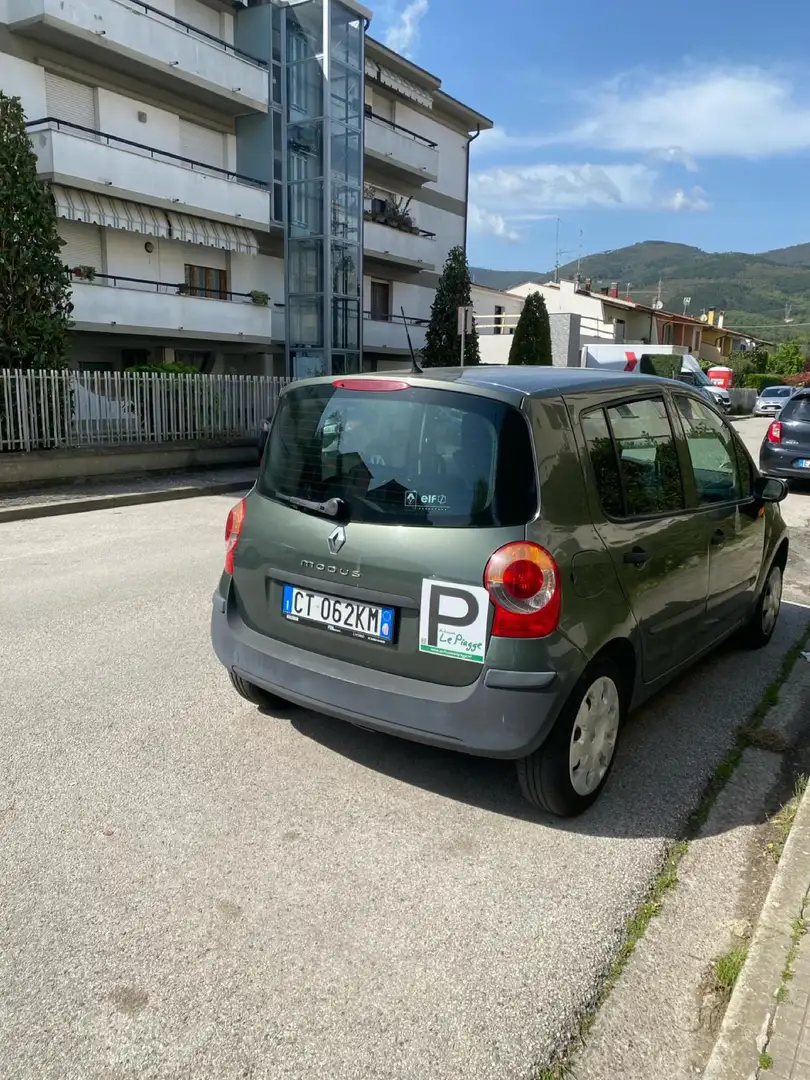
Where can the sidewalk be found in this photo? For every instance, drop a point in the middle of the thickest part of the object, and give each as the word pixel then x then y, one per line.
pixel 766 1030
pixel 78 498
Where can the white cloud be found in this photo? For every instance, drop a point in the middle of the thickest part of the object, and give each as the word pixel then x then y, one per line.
pixel 535 190
pixel 402 33
pixel 487 223
pixel 742 113
pixel 684 201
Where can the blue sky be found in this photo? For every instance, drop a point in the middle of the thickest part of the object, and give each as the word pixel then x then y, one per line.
pixel 627 121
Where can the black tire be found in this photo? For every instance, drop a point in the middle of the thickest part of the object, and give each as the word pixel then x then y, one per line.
pixel 546 776
pixel 256 695
pixel 759 630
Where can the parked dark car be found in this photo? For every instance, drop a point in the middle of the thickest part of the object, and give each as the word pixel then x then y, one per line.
pixel 785 450
pixel 501 561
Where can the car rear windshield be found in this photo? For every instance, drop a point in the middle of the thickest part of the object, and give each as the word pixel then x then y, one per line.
pixel 415 456
pixel 797 409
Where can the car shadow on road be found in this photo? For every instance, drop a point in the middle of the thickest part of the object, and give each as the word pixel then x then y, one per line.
pixel 668 753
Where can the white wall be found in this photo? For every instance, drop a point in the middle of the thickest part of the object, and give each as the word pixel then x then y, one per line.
pixel 448 227
pixel 19 78
pixel 451 145
pixel 486 300
pixel 415 299
pixel 262 272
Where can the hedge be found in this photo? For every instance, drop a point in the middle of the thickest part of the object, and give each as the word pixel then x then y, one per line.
pixel 760 382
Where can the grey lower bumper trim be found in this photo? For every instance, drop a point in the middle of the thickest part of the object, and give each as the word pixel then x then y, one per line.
pixel 519 680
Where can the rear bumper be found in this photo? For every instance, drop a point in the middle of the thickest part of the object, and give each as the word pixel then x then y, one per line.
pixel 778 461
pixel 503 714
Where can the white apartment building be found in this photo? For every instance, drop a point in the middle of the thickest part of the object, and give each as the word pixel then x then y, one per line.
pixel 172 141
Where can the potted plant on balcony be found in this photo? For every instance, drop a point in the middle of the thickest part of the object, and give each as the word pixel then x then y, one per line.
pixel 259 298
pixel 184 288
pixel 84 273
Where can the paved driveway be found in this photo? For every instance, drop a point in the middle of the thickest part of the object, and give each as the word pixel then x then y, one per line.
pixel 191 889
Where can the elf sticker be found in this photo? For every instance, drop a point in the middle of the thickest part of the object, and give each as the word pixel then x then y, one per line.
pixel 453 620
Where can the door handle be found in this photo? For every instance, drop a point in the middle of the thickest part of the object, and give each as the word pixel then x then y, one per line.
pixel 637 557
pixel 718 537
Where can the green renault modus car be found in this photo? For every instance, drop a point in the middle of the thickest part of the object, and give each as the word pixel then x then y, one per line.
pixel 501 561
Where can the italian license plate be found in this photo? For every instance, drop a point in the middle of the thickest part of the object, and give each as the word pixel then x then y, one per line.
pixel 339 615
pixel 803 463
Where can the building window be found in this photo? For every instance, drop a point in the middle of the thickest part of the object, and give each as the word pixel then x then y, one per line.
pixel 381 301
pixel 669 334
pixel 134 358
pixel 619 329
pixel 499 313
pixel 696 341
pixel 206 281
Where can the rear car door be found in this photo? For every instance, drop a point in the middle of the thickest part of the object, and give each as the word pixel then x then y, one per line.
pixel 723 493
pixel 428 483
pixel 660 555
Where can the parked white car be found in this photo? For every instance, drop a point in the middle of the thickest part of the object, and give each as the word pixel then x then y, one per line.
pixel 771 400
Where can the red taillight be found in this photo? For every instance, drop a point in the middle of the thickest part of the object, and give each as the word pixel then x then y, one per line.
pixel 233 527
pixel 523 582
pixel 378 385
pixel 775 432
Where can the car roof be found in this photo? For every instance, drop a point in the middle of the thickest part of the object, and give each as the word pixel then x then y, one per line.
pixel 520 380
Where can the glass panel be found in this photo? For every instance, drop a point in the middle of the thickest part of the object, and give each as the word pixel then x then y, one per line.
pixel 305 90
pixel 278 202
pixel 278 146
pixel 345 324
pixel 346 33
pixel 604 463
pixel 304 30
pixel 305 203
pixel 306 266
pixel 346 213
pixel 308 364
pixel 648 459
pixel 305 152
pixel 346 96
pixel 345 154
pixel 711 451
pixel 304 322
pixel 345 270
pixel 345 363
pixel 275 78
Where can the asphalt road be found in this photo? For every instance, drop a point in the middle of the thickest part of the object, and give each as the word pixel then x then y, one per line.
pixel 191 889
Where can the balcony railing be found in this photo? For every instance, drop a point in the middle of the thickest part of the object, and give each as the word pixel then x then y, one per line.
pixel 410 320
pixel 196 32
pixel 180 289
pixel 371 115
pixel 51 123
pixel 399 226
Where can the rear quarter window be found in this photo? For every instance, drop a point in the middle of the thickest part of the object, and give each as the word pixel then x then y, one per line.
pixel 417 457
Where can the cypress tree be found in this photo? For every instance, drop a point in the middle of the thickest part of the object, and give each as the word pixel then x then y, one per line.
pixel 443 343
pixel 531 343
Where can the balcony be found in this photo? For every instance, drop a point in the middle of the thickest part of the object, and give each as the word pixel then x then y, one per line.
pixel 411 247
pixel 390 335
pixel 124 305
pixel 399 151
pixel 148 44
pixel 93 160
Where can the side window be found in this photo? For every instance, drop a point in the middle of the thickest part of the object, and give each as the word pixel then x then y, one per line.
pixel 711 451
pixel 635 460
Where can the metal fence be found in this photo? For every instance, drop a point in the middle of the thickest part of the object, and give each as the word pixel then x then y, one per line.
pixel 40 410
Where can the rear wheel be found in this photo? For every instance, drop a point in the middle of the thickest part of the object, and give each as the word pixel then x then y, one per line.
pixel 759 630
pixel 256 695
pixel 567 773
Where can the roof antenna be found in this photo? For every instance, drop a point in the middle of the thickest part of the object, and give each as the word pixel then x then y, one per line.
pixel 414 364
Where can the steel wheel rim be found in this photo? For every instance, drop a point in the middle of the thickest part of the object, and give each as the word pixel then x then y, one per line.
pixel 771 600
pixel 593 736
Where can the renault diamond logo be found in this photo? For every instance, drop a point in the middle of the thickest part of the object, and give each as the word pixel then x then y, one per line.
pixel 336 539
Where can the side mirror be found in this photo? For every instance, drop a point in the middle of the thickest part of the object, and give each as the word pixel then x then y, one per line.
pixel 770 489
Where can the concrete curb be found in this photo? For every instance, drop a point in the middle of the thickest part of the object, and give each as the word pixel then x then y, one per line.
pixel 753 1004
pixel 107 502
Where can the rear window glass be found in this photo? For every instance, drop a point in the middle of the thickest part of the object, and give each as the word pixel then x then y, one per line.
pixel 776 391
pixel 797 409
pixel 419 457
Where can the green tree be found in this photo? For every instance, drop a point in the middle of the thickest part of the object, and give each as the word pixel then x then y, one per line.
pixel 35 302
pixel 745 362
pixel 532 341
pixel 787 360
pixel 442 341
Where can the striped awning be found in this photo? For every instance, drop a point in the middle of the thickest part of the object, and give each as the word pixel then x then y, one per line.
pixel 214 234
pixel 94 209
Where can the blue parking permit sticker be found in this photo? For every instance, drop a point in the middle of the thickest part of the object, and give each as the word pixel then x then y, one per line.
pixel 387 623
pixel 287 600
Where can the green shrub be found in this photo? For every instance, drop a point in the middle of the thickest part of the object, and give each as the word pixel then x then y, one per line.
pixel 759 382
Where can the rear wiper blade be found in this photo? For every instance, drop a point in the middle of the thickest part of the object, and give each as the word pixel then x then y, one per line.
pixel 332 508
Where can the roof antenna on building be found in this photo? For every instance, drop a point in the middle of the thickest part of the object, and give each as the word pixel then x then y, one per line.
pixel 414 363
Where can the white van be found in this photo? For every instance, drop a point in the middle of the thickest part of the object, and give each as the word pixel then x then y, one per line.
pixel 652 360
